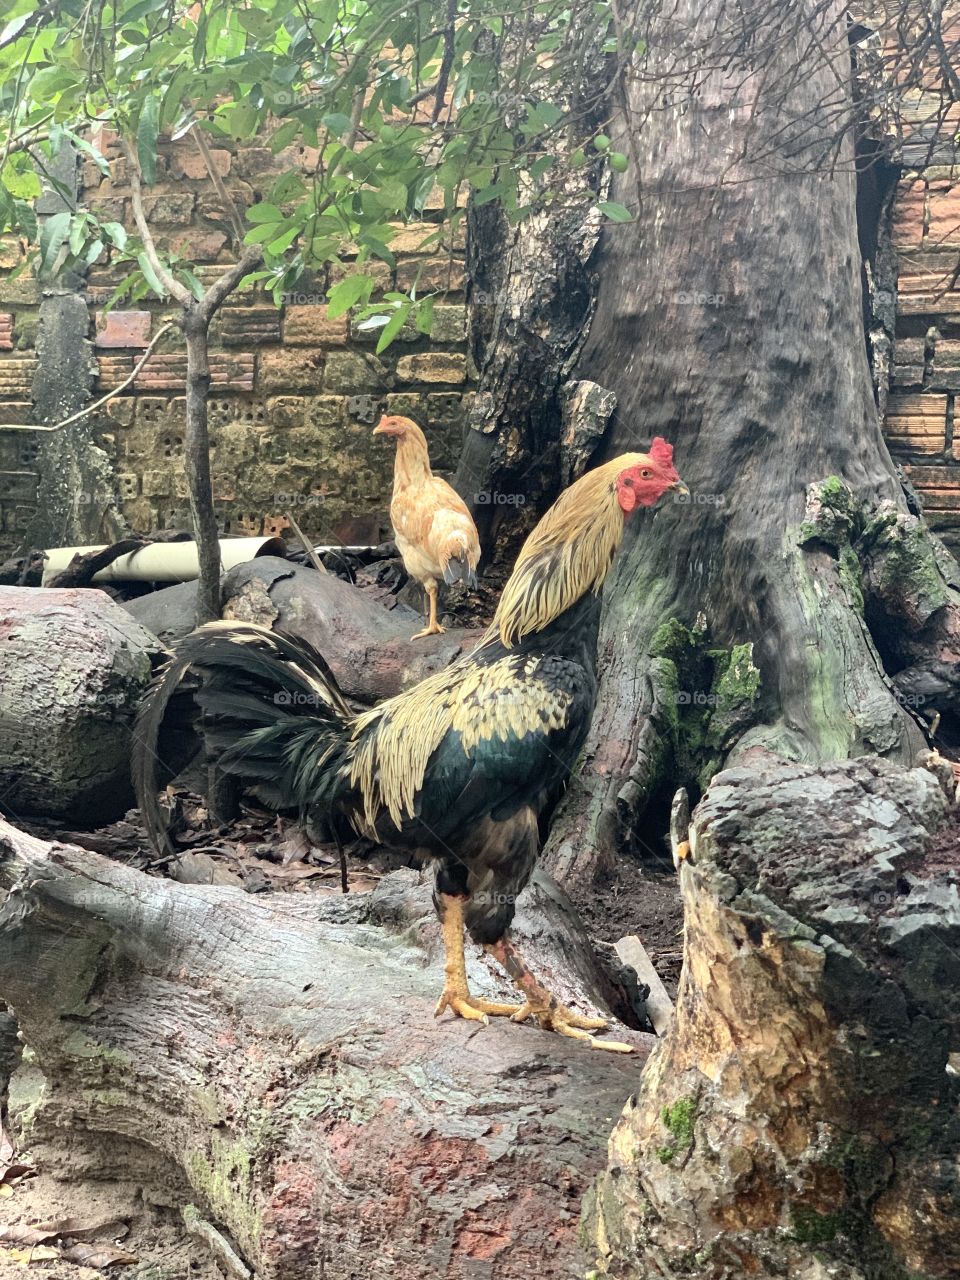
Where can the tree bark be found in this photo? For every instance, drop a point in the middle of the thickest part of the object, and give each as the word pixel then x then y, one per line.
pixel 274 1058
pixel 196 449
pixel 798 1119
pixel 744 250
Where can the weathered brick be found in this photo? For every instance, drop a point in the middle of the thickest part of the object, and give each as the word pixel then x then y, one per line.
pixel 908 215
pixel 19 411
pixel 311 326
pixel 168 372
pixel 16 376
pixel 231 409
pixel 350 372
pixel 325 411
pixel 23 291
pixel 169 209
pixel 158 484
pixel 18 486
pixel 286 411
pixel 249 326
pixel 441 275
pixel 916 423
pixel 300 369
pixel 187 162
pixel 943 215
pixel 25 325
pixel 405 404
pixel 449 324
pixel 6 332
pixel 11 253
pixel 123 328
pixel 945 373
pixel 446 408
pixel 378 271
pixel 128 485
pixel 198 245
pixel 120 410
pixel 432 366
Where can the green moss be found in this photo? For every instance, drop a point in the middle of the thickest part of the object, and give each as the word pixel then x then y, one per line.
pixel 679 1120
pixel 810 1227
pixel 851 577
pixel 223 1177
pixel 833 489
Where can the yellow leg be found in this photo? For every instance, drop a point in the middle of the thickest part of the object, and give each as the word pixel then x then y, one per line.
pixel 456 994
pixel 433 627
pixel 539 1003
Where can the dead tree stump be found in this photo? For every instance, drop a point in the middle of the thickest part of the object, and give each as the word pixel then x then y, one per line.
pixel 799 1119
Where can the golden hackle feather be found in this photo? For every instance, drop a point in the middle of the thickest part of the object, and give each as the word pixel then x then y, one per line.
pixel 568 554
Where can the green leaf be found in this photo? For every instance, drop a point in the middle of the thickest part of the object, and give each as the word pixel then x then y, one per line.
pixel 284 135
pixel 191 281
pixel 148 130
pixel 337 123
pixel 347 293
pixel 150 275
pixel 264 212
pixel 53 233
pixel 425 315
pixel 115 232
pixel 393 326
pixel 615 212
pixel 27 218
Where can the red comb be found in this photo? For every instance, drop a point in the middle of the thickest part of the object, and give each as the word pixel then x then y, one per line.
pixel 660 451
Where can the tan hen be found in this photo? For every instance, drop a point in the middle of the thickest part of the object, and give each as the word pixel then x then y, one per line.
pixel 433 528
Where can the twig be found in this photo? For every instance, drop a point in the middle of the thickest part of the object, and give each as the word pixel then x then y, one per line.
pixel 166 278
pixel 219 1246
pixel 97 404
pixel 226 200
pixel 307 545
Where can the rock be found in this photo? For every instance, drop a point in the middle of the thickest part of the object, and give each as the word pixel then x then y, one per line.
pixel 74 666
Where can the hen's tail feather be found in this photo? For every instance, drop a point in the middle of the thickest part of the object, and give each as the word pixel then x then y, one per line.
pixel 458 569
pixel 271 713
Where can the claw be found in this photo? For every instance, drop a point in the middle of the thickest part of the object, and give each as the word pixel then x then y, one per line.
pixel 540 1004
pixel 435 630
pixel 464 1005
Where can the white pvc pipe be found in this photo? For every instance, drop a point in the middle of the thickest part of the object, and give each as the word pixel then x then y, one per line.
pixel 164 561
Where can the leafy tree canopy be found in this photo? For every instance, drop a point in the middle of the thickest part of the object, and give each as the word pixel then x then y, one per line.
pixel 400 99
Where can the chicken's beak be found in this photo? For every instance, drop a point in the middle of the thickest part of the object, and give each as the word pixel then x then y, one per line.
pixel 680 489
pixel 379 429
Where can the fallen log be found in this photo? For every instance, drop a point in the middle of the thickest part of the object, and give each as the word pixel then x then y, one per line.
pixel 75 666
pixel 368 646
pixel 273 1059
pixel 799 1119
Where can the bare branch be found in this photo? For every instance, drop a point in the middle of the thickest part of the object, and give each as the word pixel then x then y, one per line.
pixel 166 278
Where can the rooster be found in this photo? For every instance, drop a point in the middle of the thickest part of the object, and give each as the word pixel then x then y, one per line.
pixel 433 529
pixel 460 766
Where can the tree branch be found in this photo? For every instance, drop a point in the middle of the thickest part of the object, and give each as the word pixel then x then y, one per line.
pixel 226 200
pixel 166 278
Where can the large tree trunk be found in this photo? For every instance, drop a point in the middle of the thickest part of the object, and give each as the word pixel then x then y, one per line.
pixel 744 251
pixel 799 1118
pixel 275 1059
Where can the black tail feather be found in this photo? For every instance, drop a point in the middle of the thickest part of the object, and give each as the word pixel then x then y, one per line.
pixel 271 713
pixel 458 570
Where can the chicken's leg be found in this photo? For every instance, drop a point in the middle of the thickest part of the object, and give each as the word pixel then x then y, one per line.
pixel 546 1008
pixel 433 627
pixel 456 994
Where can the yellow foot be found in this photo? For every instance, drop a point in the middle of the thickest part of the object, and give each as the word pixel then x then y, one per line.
pixel 435 630
pixel 464 1005
pixel 557 1017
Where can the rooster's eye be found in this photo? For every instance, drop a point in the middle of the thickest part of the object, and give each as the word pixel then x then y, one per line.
pixel 645 473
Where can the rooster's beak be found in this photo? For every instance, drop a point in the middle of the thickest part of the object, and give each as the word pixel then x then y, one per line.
pixel 681 489
pixel 379 430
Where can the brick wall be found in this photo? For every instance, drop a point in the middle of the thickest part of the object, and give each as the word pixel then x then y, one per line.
pixel 295 394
